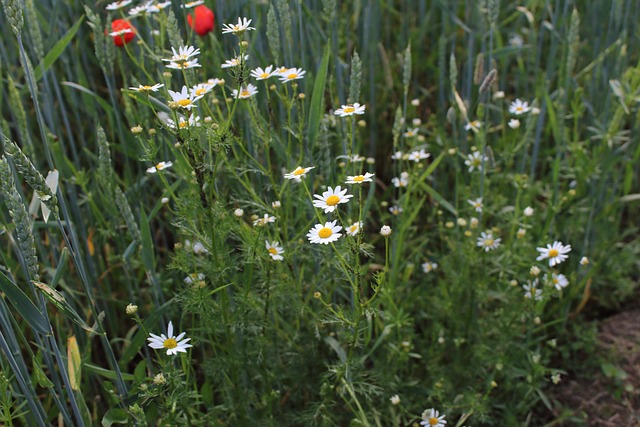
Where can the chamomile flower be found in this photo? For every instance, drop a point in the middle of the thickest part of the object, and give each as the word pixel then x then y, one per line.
pixel 473 126
pixel 398 155
pixel 556 253
pixel 192 4
pixel 184 53
pixel 183 122
pixel 359 179
pixel 245 92
pixel 234 62
pixel 261 222
pixel 197 247
pixel 121 32
pixel 194 278
pixel 331 198
pixel 474 161
pixel 263 74
pixel 350 110
pixel 558 280
pixel 298 173
pixel 155 8
pixel 184 99
pixel 584 261
pixel 432 418
pixel 275 250
pixel 514 123
pixel 429 266
pixel 354 228
pixel 395 399
pixel 528 211
pixel 147 88
pixel 173 344
pixel 403 181
pixel 531 290
pixel 477 204
pixel 518 107
pixel 416 156
pixel 184 65
pixel 239 28
pixel 160 166
pixel 395 210
pixel 410 133
pixel 488 242
pixel 385 231
pixel 201 89
pixel 325 234
pixel 139 10
pixel 118 4
pixel 214 82
pixel 292 74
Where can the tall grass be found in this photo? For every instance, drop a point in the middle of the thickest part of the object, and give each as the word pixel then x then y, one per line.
pixel 371 329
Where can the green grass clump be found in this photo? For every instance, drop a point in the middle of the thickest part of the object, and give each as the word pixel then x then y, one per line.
pixel 339 213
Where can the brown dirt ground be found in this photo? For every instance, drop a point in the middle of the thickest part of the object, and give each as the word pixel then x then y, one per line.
pixel 606 401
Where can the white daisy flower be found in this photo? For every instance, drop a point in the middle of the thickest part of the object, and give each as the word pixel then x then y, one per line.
pixel 245 92
pixel 558 280
pixel 292 74
pixel 118 4
pixel 139 10
pixel 147 88
pixel 395 210
pixel 184 53
pixel 488 242
pixel 514 123
pixel 429 266
pixel 354 228
pixel 261 222
pixel 325 234
pixel 385 231
pixel 395 399
pixel 556 253
pixel 183 122
pixel 155 8
pixel 518 107
pixel 432 418
pixel 239 28
pixel 160 166
pixel 121 32
pixel 263 74
pixel 183 65
pixel 183 98
pixel 215 82
pixel 410 133
pixel 234 62
pixel 331 198
pixel 298 173
pixel 532 291
pixel 403 181
pixel 397 155
pixel 584 261
pixel 194 278
pixel 474 161
pixel 350 110
pixel 528 211
pixel 473 126
pixel 201 89
pixel 416 156
pixel 275 250
pixel 359 179
pixel 197 248
pixel 192 4
pixel 477 204
pixel 171 343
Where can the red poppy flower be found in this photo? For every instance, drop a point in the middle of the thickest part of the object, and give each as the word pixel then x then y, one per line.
pixel 203 22
pixel 122 32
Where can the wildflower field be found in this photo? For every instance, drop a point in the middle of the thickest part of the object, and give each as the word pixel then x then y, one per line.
pixel 314 212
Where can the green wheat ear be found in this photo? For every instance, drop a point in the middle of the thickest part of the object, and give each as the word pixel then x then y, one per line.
pixel 13 12
pixel 356 78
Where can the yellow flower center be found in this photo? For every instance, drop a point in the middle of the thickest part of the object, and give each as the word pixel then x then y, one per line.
pixel 553 253
pixel 200 91
pixel 183 124
pixel 292 76
pixel 145 87
pixel 170 343
pixel 160 166
pixel 325 233
pixel 433 421
pixel 555 280
pixel 299 172
pixel 236 28
pixel 245 93
pixel 184 102
pixel 273 251
pixel 488 242
pixel 353 228
pixel 264 76
pixel 358 178
pixel 349 109
pixel 332 200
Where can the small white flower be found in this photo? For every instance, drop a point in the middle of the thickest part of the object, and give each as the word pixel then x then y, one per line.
pixel 488 242
pixel 201 89
pixel 475 160
pixel 416 156
pixel 155 8
pixel 184 123
pixel 350 110
pixel 298 173
pixel 359 179
pixel 192 4
pixel 173 344
pixel 147 88
pixel 292 74
pixel 194 278
pixel 432 418
pixel 197 248
pixel 184 98
pixel 139 10
pixel 261 74
pixel 558 280
pixel 403 181
pixel 498 95
pixel 395 210
pixel 429 266
pixel 532 291
pixel 118 4
pixel 556 253
pixel 183 65
pixel 514 123
pixel 234 62
pixel 121 32
pixel 239 28
pixel 275 250
pixel 164 200
pixel 534 270
pixel 398 155
pixel 354 228
pixel 260 222
pixel 584 261
pixel 245 92
pixel 518 107
pixel 276 204
pixel 473 126
pixel 331 198
pixel 184 53
pixel 473 222
pixel 160 166
pixel 521 233
pixel 325 234
pixel 238 212
pixel 410 133
pixel 385 230
pixel 477 204
pixel 395 399
pixel 528 211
